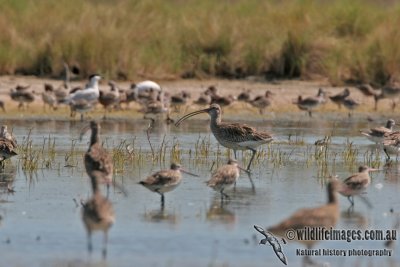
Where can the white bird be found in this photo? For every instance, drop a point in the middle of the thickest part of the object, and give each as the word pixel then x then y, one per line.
pixel 91 92
pixel 145 87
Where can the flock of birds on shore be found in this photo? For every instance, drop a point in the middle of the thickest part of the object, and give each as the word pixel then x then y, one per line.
pixel 154 100
pixel 98 211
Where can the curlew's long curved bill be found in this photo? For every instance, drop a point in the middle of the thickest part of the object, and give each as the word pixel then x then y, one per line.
pixel 190 115
pixel 192 174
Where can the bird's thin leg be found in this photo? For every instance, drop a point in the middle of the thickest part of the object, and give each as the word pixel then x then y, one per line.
pixel 252 157
pixel 89 239
pixel 310 113
pixel 162 199
pixel 387 154
pixel 350 198
pixel 108 190
pixel 105 241
pixel 234 153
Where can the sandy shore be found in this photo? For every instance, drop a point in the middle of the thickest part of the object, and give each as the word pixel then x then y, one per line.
pixel 284 93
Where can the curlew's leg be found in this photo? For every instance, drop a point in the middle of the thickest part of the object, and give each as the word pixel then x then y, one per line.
pixel 351 199
pixel 252 157
pixel 234 153
pixel 223 195
pixel 310 113
pixel 89 240
pixel 387 154
pixel 105 241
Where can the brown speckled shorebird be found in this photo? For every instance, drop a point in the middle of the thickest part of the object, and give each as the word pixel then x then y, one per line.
pixel 391 143
pixel 21 95
pixel 98 162
pixel 165 180
pixel 235 136
pixel 323 216
pixel 356 183
pixel 262 102
pixel 6 135
pixel 310 103
pixel 338 98
pixel 7 149
pixel 350 104
pixel 376 135
pixel 224 177
pixel 97 215
pixel 109 99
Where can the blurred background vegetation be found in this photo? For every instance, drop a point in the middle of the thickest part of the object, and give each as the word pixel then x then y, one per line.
pixel 345 41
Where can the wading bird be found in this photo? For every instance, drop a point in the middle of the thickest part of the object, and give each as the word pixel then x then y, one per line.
pixel 376 135
pixel 224 177
pixel 165 180
pixel 356 184
pixel 234 136
pixel 98 162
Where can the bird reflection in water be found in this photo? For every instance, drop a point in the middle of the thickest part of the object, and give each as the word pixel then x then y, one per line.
pixel 161 215
pixel 219 213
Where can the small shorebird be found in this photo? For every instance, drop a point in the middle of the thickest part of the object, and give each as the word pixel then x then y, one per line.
pixel 262 102
pixel 97 215
pixel 366 90
pixel 6 135
pixel 235 136
pixel 339 98
pixel 48 96
pixel 244 95
pixel 350 104
pixel 310 103
pixel 391 143
pixel 98 162
pixel 323 216
pixel 21 95
pixel 179 99
pixel 356 184
pixel 376 135
pixel 8 145
pixel 224 177
pixel 204 99
pixel 109 99
pixel 165 180
pixel 390 92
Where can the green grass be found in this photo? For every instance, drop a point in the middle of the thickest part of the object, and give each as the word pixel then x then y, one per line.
pixel 344 41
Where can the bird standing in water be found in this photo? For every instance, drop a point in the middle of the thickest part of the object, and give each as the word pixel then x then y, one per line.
pixel 235 136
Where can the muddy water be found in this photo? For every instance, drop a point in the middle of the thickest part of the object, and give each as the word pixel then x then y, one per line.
pixel 41 223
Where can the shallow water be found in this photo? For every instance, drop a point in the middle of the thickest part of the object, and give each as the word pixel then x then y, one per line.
pixel 41 223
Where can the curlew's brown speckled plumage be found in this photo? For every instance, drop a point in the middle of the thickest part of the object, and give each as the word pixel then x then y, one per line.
pixel 98 162
pixel 235 136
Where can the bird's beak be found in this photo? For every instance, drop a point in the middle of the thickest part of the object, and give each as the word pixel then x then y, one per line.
pixel 192 174
pixel 190 115
pixel 242 169
pixel 83 132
